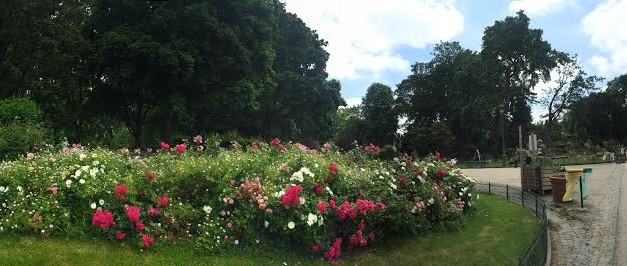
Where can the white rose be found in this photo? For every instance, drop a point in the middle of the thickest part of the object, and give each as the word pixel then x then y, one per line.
pixel 93 206
pixel 311 219
pixel 68 183
pixel 82 181
pixel 265 224
pixel 291 225
pixel 320 221
pixel 101 202
pixel 207 209
pixel 77 173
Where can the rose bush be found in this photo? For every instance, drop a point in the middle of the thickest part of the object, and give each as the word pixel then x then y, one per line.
pixel 276 193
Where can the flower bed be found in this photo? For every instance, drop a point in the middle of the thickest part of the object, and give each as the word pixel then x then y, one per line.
pixel 277 194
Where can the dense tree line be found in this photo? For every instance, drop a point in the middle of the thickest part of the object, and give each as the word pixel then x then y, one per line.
pixel 163 69
pixel 136 72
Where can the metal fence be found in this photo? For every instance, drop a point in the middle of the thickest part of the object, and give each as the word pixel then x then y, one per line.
pixel 536 253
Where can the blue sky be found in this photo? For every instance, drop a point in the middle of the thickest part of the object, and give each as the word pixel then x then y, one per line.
pixel 377 41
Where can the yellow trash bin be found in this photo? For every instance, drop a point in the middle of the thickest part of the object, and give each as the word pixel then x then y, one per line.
pixel 572 176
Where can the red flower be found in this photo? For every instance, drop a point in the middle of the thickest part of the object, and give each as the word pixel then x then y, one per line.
pixel 441 172
pixel 333 168
pixel 151 175
pixel 102 219
pixel 402 180
pixel 180 148
pixel 119 235
pixel 139 227
pixel 335 251
pixel 152 211
pixel 163 200
pixel 437 156
pixel 380 205
pixel 316 247
pixel 165 146
pixel 408 159
pixel 132 213
pixel 291 196
pixel 346 210
pixel 120 191
pixel 332 203
pixel 53 189
pixel 147 240
pixel 365 206
pixel 322 207
pixel 318 188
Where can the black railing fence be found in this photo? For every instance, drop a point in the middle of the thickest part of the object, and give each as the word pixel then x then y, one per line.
pixel 536 253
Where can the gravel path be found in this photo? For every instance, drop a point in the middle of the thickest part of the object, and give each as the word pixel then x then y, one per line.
pixel 593 235
pixel 621 241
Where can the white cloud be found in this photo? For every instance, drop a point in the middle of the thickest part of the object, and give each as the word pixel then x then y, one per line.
pixel 363 34
pixel 538 7
pixel 605 25
pixel 350 102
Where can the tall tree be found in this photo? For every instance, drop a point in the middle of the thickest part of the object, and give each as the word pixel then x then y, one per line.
pixel 381 121
pixel 522 57
pixel 571 83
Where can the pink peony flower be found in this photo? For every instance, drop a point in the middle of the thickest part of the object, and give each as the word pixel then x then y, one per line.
pixel 147 240
pixel 322 207
pixel 164 146
pixel 132 213
pixel 102 219
pixel 181 148
pixel 163 200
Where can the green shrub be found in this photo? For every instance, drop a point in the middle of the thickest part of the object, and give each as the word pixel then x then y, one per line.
pixel 272 194
pixel 18 138
pixel 20 110
pixel 388 152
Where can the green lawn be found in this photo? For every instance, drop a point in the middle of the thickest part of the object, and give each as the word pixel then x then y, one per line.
pixel 495 234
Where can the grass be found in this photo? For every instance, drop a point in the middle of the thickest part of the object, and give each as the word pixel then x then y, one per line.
pixel 496 233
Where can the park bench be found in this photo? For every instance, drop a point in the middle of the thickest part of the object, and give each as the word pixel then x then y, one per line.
pixel 475 164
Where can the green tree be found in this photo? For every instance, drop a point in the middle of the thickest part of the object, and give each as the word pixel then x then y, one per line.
pixel 381 120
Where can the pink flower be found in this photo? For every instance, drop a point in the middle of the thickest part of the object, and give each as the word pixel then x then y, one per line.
pixel 164 146
pixel 437 156
pixel 152 211
pixel 139 226
pixel 102 219
pixel 180 148
pixel 441 172
pixel 120 191
pixel 322 207
pixel 163 200
pixel 333 168
pixel 53 189
pixel 229 225
pixel 291 196
pixel 132 213
pixel 151 175
pixel 198 139
pixel 147 240
pixel 119 235
pixel 30 155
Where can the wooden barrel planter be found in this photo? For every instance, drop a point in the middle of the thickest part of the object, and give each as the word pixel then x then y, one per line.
pixel 537 179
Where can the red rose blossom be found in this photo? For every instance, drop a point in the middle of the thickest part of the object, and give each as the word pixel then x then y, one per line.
pixel 164 146
pixel 181 148
pixel 120 191
pixel 147 240
pixel 151 175
pixel 119 235
pixel 163 200
pixel 322 207
pixel 152 211
pixel 102 219
pixel 333 168
pixel 132 213
pixel 139 226
pixel 291 196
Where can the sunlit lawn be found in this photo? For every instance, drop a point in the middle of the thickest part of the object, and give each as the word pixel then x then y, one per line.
pixel 495 234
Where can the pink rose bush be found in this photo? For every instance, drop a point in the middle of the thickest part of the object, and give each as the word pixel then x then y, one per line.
pixel 226 196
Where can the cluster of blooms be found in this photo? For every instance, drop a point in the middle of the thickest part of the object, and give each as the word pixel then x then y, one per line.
pixel 300 174
pixel 291 196
pixel 102 219
pixel 335 250
pixel 253 192
pixel 371 149
pixel 276 142
pixel 459 207
pixel 358 239
pixel 418 207
pixel 347 210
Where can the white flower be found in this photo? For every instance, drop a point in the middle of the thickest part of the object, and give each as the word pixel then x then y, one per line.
pixel 236 242
pixel 297 176
pixel 207 209
pixel 95 163
pixel 320 221
pixel 265 224
pixel 281 193
pixel 392 185
pixel 82 181
pixel 311 219
pixel 302 201
pixel 291 225
pixel 2 188
pixel 470 204
pixel 68 183
pixel 469 195
pixel 93 206
pixel 431 201
pixel 19 188
pixel 81 156
pixel 329 190
pixel 77 173
pixel 101 202
pixel 93 172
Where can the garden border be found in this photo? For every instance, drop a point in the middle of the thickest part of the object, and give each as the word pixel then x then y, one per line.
pixel 538 252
